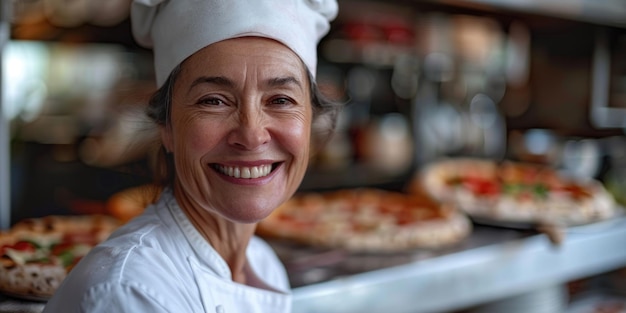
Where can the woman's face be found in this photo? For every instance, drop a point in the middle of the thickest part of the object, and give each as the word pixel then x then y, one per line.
pixel 240 127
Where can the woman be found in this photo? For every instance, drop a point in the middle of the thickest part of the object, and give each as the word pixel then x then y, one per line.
pixel 237 111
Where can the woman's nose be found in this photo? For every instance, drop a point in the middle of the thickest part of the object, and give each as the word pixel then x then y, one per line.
pixel 251 130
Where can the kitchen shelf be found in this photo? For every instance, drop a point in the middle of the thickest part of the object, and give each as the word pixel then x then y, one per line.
pixel 354 176
pixel 611 13
pixel 491 264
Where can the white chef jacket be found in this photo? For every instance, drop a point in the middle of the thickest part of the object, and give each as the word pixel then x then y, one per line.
pixel 159 262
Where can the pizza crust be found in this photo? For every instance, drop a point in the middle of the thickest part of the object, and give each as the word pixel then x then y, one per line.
pixel 430 235
pixel 131 202
pixel 32 281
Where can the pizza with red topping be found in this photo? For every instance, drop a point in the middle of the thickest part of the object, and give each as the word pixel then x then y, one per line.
pixel 366 220
pixel 37 253
pixel 511 191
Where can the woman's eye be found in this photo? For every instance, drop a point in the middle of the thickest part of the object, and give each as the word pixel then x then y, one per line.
pixel 211 101
pixel 282 101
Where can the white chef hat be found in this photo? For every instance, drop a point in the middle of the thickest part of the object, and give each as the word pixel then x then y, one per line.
pixel 176 29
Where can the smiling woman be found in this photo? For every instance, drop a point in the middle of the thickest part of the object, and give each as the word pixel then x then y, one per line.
pixel 239 115
pixel 242 120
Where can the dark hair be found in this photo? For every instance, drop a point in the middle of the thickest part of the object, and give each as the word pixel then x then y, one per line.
pixel 325 112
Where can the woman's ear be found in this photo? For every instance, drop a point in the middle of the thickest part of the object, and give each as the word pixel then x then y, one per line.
pixel 323 129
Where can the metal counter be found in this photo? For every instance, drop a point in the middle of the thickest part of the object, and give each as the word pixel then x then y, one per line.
pixel 492 263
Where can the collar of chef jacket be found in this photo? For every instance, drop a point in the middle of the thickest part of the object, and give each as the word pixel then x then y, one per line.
pixel 213 276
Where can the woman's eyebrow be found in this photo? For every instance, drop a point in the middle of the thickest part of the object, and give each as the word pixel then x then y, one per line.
pixel 216 80
pixel 283 81
pixel 223 81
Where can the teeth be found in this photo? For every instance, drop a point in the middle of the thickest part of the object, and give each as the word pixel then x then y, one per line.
pixel 245 172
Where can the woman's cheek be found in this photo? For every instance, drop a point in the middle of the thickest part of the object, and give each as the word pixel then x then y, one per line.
pixel 199 137
pixel 298 134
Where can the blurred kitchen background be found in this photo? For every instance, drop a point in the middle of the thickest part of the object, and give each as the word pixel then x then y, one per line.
pixel 530 80
pixel 540 81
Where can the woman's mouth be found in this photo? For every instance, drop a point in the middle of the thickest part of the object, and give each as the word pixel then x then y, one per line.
pixel 246 172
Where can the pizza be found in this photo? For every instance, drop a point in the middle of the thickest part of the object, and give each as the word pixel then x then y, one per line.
pixel 131 202
pixel 37 253
pixel 366 220
pixel 610 307
pixel 510 191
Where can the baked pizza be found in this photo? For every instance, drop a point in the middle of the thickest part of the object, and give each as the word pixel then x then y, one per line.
pixel 131 202
pixel 510 191
pixel 37 253
pixel 366 220
pixel 610 307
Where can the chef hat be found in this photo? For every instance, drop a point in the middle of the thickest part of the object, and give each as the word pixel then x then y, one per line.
pixel 176 29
